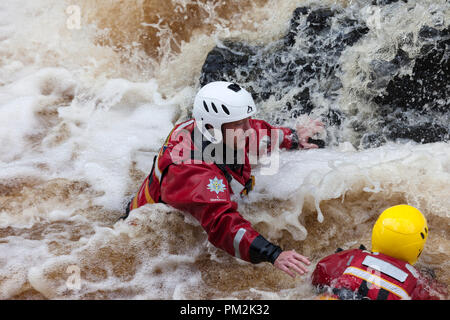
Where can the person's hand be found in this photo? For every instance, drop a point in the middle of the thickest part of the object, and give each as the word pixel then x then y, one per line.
pixel 292 263
pixel 306 129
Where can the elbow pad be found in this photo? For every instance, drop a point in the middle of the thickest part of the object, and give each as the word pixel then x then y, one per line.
pixel 262 250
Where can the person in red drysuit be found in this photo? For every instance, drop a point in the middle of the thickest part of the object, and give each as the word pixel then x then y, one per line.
pixel 386 273
pixel 204 163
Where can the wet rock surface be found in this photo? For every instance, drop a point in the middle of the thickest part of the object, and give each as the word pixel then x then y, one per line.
pixel 301 73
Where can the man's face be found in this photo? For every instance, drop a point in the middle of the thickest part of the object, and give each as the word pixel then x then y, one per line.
pixel 234 133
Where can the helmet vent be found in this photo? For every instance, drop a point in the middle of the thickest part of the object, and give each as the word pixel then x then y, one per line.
pixel 214 107
pixel 225 109
pixel 234 87
pixel 205 106
pixel 421 234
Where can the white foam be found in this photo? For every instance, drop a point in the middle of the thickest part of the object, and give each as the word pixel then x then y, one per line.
pixel 16 256
pixel 73 110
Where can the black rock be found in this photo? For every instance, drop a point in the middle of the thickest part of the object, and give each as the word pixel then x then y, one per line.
pixel 385 2
pixel 303 69
pixel 295 24
pixel 281 70
pixel 422 95
pixel 422 133
pixel 320 19
pixel 427 32
pixel 222 62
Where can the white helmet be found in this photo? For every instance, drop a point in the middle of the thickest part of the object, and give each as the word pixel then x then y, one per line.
pixel 221 102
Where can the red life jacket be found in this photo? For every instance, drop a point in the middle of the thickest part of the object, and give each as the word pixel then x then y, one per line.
pixel 360 274
pixel 204 188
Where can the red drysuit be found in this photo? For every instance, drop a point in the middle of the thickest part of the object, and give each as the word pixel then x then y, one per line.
pixel 204 187
pixel 360 274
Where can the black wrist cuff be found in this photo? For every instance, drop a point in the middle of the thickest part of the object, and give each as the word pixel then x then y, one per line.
pixel 262 250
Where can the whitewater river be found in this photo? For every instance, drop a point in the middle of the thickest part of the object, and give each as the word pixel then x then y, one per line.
pixel 89 90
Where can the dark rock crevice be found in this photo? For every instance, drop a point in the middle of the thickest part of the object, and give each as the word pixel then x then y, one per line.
pixel 302 70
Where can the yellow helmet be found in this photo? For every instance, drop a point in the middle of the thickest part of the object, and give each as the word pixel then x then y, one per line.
pixel 400 232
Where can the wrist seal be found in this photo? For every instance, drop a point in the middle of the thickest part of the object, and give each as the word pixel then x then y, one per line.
pixel 262 250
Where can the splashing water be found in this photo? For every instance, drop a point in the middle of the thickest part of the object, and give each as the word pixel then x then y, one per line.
pixel 88 93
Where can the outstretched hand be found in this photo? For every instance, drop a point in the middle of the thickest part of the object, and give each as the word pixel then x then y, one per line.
pixel 306 129
pixel 292 263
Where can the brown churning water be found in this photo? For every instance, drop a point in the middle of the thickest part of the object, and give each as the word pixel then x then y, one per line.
pixel 85 105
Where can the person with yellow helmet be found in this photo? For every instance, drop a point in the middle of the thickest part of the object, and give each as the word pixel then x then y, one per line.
pixel 387 272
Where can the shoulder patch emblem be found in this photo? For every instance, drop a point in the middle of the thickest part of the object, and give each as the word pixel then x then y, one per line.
pixel 216 185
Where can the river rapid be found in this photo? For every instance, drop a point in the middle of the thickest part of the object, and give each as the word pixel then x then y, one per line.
pixel 89 90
